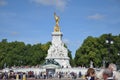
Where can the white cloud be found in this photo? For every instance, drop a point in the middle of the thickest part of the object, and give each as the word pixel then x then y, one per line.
pixel 3 3
pixel 96 16
pixel 59 4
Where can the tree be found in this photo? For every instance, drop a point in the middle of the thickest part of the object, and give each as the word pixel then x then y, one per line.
pixel 96 50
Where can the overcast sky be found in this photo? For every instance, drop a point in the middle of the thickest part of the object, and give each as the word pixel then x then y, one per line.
pixel 32 21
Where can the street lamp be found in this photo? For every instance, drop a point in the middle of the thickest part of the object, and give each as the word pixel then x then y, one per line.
pixel 104 62
pixel 109 41
pixel 118 54
pixel 118 61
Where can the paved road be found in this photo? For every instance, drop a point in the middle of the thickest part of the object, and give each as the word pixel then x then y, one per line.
pixel 58 79
pixel 52 79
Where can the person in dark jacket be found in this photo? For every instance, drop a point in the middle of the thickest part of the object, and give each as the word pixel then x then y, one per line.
pixel 90 74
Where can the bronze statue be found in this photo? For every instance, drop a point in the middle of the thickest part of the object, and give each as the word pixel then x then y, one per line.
pixel 56 28
pixel 56 18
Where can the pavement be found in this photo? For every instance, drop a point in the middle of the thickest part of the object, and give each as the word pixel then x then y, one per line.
pixel 58 79
pixel 52 79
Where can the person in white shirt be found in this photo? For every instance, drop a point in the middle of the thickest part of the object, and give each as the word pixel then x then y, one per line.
pixel 107 74
pixel 113 68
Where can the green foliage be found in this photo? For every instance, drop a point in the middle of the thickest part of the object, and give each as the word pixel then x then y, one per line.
pixel 96 50
pixel 93 49
pixel 20 54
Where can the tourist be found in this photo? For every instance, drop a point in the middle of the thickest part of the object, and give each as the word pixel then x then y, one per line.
pixel 90 74
pixel 24 77
pixel 80 74
pixel 5 75
pixel 113 68
pixel 107 74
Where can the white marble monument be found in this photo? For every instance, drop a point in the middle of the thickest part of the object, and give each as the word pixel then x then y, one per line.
pixel 57 50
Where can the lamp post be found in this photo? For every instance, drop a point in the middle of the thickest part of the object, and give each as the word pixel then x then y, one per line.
pixel 109 41
pixel 104 62
pixel 118 61
pixel 4 65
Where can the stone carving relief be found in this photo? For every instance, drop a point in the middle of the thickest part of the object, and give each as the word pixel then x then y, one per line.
pixel 57 51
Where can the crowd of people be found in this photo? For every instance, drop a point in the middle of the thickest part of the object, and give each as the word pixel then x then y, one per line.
pixel 42 75
pixel 109 73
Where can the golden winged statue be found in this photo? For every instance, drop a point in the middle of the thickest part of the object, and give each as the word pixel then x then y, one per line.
pixel 56 28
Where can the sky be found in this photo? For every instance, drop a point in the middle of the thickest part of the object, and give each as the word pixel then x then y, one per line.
pixel 32 21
